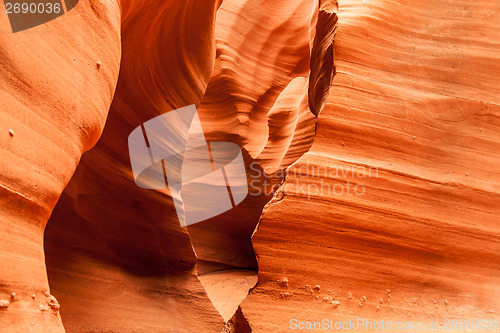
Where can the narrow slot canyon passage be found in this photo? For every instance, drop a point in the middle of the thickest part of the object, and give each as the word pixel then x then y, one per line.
pixel 115 253
pixel 371 166
pixel 99 256
pixel 226 263
pixel 405 106
pixel 227 288
pixel 96 260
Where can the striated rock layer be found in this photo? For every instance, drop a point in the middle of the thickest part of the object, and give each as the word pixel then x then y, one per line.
pixel 117 257
pixel 54 101
pixel 125 264
pixel 393 213
pixel 271 73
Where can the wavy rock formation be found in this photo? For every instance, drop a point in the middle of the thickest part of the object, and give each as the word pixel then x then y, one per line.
pixel 116 255
pixel 125 263
pixel 54 100
pixel 390 215
pixel 258 97
pixel 393 213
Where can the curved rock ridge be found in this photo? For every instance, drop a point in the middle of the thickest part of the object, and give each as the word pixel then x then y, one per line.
pixel 110 246
pixel 322 65
pixel 393 213
pixel 130 237
pixel 259 97
pixel 54 100
pixel 125 263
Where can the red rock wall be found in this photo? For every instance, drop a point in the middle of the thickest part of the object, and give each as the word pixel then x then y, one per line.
pixel 259 96
pixel 129 237
pixel 125 263
pixel 415 101
pixel 391 215
pixel 54 102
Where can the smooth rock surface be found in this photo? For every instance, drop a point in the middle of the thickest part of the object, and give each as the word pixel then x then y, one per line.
pixel 412 119
pixel 53 106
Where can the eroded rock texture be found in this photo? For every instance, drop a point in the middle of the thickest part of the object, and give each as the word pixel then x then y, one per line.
pixel 117 257
pixel 54 102
pixel 392 214
pixel 259 96
pixel 413 119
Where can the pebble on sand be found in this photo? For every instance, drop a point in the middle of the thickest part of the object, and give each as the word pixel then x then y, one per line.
pixel 4 304
pixel 283 282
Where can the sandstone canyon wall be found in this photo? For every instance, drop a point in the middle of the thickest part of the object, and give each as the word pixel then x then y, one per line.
pixel 54 103
pixel 401 183
pixel 391 214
